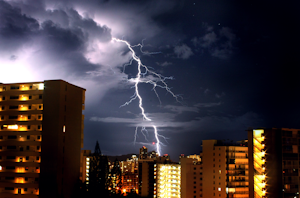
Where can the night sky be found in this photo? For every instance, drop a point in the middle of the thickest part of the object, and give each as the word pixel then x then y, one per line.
pixel 235 65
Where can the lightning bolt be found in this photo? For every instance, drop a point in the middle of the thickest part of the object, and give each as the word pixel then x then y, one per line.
pixel 159 82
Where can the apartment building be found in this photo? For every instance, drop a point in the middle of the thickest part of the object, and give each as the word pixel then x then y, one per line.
pixel 168 180
pixel 41 136
pixel 274 163
pixel 225 169
pixel 191 176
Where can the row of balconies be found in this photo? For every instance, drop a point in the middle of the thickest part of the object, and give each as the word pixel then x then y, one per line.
pixel 22 87
pixel 19 159
pixel 16 127
pixel 17 169
pixel 21 118
pixel 19 138
pixel 22 97
pixel 20 148
pixel 21 191
pixel 21 107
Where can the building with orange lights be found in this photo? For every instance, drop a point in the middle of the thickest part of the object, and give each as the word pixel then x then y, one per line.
pixel 224 169
pixel 41 136
pixel 274 163
pixel 85 160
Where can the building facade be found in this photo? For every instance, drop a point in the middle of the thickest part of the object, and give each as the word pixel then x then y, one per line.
pixel 225 169
pixel 40 138
pixel 191 176
pixel 274 162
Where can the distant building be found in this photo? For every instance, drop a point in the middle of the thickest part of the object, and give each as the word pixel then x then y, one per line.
pixel 143 153
pixel 41 136
pixel 129 170
pixel 224 169
pixel 274 163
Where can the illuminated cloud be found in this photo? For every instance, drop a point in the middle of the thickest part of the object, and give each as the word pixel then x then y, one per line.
pixel 183 51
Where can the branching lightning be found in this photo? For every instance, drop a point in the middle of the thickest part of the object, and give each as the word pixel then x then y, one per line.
pixel 159 82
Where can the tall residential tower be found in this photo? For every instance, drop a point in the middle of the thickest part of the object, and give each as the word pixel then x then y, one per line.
pixel 41 136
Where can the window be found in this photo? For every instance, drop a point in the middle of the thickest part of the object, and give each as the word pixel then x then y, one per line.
pixel 10 167
pixel 37 158
pixel 38 137
pixel 29 107
pixel 28 127
pixel 12 137
pixel 40 96
pixel 29 117
pixel 3 98
pixel 2 117
pixel 26 168
pixel 26 178
pixel 27 147
pixel 13 107
pixel 1 137
pixel 40 106
pixel 2 107
pixel 28 137
pixel 11 147
pixel 25 189
pixel 39 127
pixel 219 189
pixel 13 117
pixel 14 87
pixel 30 97
pixel 39 117
pixel 14 97
pixel 9 188
pixel 38 148
pixel 27 157
pixel 10 157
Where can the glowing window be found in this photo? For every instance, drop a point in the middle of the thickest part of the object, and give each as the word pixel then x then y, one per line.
pixel 64 128
pixel 0 167
pixel 12 126
pixel 87 159
pixel 219 189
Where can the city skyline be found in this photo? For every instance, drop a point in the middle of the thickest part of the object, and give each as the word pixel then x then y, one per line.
pixel 234 64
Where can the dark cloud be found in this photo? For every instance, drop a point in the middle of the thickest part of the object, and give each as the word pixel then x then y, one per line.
pixel 16 28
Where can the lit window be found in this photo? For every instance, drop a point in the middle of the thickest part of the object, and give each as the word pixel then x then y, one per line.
pixel 41 86
pixel 87 167
pixel 219 189
pixel 0 167
pixel 64 128
pixel 12 126
pixel 87 159
pixel 87 163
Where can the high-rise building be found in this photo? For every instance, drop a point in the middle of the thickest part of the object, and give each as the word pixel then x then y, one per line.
pixel 274 163
pixel 147 170
pixel 85 163
pixel 41 137
pixel 168 181
pixel 191 176
pixel 225 169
